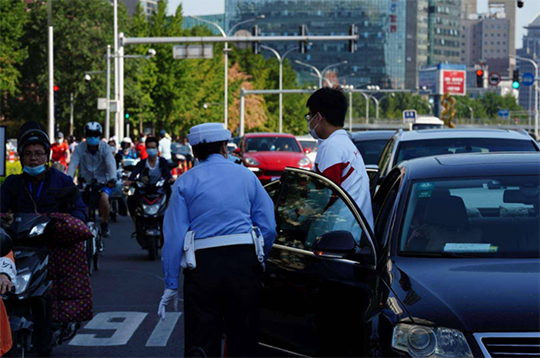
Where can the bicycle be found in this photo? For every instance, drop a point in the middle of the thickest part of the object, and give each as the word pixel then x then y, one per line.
pixel 94 246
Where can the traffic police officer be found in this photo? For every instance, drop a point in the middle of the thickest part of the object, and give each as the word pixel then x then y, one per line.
pixel 219 227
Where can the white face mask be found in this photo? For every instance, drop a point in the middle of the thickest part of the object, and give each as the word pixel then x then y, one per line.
pixel 312 131
pixel 60 140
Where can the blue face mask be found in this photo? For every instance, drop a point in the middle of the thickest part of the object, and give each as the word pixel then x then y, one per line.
pixel 35 171
pixel 152 153
pixel 92 140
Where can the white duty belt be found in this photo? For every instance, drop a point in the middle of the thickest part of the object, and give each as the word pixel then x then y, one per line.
pixel 191 245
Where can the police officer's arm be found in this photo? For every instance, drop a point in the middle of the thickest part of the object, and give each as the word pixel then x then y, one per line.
pixel 262 215
pixel 175 227
pixel 74 163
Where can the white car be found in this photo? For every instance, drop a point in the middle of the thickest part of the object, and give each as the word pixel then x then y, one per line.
pixel 309 146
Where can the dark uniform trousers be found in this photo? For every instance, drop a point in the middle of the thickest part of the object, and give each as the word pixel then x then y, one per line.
pixel 222 294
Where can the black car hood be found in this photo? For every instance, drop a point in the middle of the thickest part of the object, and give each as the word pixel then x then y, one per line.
pixel 473 295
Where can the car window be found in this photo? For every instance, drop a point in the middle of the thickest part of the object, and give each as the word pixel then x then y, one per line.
pixel 272 144
pixel 371 150
pixel 384 160
pixel 425 148
pixel 311 145
pixel 496 216
pixel 308 207
pixel 272 189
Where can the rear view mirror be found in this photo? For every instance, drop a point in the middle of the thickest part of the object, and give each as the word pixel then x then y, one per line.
pixel 5 243
pixel 335 244
pixel 237 151
pixel 307 150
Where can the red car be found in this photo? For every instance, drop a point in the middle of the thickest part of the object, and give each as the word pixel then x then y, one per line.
pixel 267 154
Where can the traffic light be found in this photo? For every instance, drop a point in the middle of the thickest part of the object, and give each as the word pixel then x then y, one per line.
pixel 127 115
pixel 353 44
pixel 480 78
pixel 256 31
pixel 57 108
pixel 303 44
pixel 515 79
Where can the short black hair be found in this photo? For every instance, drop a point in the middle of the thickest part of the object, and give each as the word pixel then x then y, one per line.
pixel 203 150
pixel 331 103
pixel 151 139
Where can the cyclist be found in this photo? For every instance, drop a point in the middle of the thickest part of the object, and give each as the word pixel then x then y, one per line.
pixel 95 161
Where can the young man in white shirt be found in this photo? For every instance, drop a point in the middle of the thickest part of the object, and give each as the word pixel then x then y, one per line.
pixel 337 157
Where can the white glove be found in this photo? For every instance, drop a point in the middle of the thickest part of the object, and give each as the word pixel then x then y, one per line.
pixel 168 296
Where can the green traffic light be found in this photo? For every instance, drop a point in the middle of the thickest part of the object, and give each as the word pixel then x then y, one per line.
pixel 515 85
pixel 127 115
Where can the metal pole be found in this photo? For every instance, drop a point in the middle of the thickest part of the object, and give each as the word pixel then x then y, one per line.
pixel 71 114
pixel 350 111
pixel 108 110
pixel 116 74
pixel 226 88
pixel 242 109
pixel 376 107
pixel 367 109
pixel 472 114
pixel 536 103
pixel 51 82
pixel 530 113
pixel 280 96
pixel 121 90
pixel 213 39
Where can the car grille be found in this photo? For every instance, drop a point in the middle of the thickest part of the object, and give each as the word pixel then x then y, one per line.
pixel 504 345
pixel 273 174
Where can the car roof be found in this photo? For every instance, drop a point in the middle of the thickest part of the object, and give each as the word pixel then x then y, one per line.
pixel 286 135
pixel 307 138
pixel 473 164
pixel 372 135
pixel 429 134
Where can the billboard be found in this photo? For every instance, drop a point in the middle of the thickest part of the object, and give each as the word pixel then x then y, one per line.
pixel 444 78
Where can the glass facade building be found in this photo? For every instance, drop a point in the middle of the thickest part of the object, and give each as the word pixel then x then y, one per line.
pixel 190 22
pixel 382 48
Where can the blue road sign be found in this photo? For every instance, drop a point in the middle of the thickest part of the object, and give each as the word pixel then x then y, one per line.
pixel 527 79
pixel 503 113
pixel 409 116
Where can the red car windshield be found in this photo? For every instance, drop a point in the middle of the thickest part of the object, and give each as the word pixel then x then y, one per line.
pixel 272 144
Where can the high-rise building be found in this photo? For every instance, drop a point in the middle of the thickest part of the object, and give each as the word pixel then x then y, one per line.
pixel 468 9
pixel 149 6
pixel 382 48
pixel 444 25
pixel 190 22
pixel 509 8
pixel 530 49
pixel 417 40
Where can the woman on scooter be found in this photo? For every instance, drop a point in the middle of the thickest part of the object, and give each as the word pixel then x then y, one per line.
pixel 36 191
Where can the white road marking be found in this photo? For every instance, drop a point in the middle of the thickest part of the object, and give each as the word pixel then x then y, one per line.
pixel 104 321
pixel 161 334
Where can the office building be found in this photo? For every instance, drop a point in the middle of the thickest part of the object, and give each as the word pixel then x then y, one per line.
pixel 444 25
pixel 148 6
pixel 468 9
pixel 508 7
pixel 190 22
pixel 531 50
pixel 381 56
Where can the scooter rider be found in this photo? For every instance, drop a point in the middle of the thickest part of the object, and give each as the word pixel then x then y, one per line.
pixel 95 160
pixel 34 191
pixel 221 211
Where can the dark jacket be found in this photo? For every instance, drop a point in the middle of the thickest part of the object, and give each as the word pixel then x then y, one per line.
pixel 163 166
pixel 68 269
pixel 15 195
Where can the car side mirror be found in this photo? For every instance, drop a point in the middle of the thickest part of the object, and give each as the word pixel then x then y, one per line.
pixel 237 151
pixel 6 244
pixel 334 244
pixel 307 150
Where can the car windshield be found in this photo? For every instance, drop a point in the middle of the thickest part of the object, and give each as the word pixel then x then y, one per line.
pixel 311 145
pixel 425 148
pixel 272 144
pixel 371 150
pixel 491 217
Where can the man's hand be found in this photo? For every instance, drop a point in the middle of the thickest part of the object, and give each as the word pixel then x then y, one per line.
pixel 168 296
pixel 5 283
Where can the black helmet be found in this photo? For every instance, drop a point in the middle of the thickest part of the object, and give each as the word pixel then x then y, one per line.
pixel 33 132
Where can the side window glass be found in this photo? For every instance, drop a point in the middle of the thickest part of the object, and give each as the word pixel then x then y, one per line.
pixel 382 220
pixel 273 189
pixel 385 157
pixel 309 207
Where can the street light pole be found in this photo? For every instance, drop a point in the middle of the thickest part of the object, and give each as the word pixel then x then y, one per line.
pixel 323 72
pixel 226 61
pixel 108 110
pixel 116 73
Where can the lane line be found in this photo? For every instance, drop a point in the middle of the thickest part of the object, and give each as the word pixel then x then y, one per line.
pixel 105 321
pixel 161 334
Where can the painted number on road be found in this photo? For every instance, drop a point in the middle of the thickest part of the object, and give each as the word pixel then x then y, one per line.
pixel 125 324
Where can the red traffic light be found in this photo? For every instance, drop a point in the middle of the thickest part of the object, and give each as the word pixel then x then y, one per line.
pixel 56 88
pixel 479 73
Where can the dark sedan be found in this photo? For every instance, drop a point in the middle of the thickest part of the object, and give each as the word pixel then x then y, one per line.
pixel 451 268
pixel 371 144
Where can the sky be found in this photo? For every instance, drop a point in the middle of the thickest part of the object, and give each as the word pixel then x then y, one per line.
pixel 208 7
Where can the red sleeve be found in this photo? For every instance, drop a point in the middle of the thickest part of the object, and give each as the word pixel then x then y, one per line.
pixel 335 172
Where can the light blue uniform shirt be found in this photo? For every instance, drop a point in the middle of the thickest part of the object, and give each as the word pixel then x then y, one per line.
pixel 215 198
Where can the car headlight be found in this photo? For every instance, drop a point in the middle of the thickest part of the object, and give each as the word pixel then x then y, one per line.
pixel 21 282
pixel 303 162
pixel 251 161
pixel 38 230
pixel 422 341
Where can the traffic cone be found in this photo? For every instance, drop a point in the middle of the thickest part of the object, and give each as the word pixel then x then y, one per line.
pixel 11 156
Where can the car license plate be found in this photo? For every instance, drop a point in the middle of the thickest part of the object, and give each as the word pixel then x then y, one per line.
pixel 275 178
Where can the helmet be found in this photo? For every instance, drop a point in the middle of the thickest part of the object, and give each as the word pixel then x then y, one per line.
pixel 33 132
pixel 127 140
pixel 93 129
